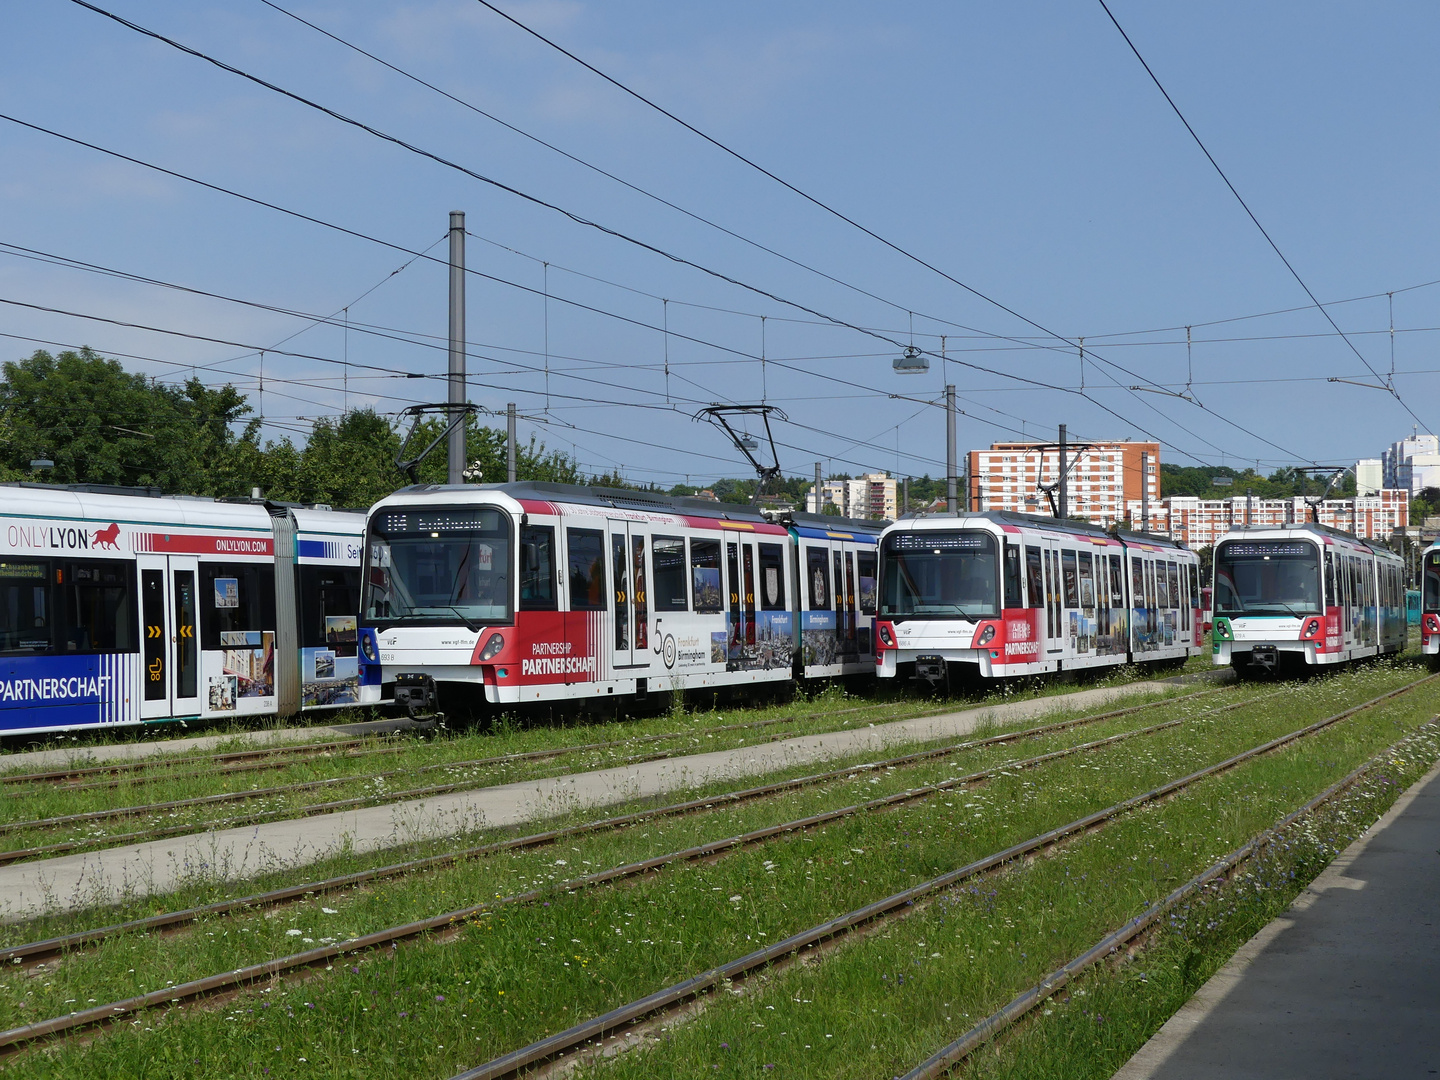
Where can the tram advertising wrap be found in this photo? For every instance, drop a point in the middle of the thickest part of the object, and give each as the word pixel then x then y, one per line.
pixel 123 609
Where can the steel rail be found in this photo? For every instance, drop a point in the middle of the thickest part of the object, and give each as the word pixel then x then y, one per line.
pixel 292 814
pixel 102 1014
pixel 588 1031
pixel 953 1053
pixel 315 749
pixel 169 920
pixel 317 809
pixel 321 747
pixel 10 1040
pixel 78 772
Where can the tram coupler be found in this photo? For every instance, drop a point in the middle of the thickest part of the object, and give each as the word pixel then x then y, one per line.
pixel 418 695
pixel 931 669
pixel 1264 656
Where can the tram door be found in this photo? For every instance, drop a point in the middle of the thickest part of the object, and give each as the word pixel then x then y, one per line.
pixel 169 636
pixel 1055 630
pixel 630 643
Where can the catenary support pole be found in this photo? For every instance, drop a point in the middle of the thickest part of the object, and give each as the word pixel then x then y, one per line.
pixel 1064 480
pixel 950 503
pixel 455 473
pixel 818 507
pixel 510 443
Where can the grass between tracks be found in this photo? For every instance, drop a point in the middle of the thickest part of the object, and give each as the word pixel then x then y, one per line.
pixel 410 763
pixel 871 1007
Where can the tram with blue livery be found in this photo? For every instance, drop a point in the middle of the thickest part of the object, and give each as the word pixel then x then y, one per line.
pixel 1305 596
pixel 482 597
pixel 120 608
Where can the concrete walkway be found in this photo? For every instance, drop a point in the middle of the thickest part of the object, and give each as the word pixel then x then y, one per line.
pixel 1345 984
pixel 104 877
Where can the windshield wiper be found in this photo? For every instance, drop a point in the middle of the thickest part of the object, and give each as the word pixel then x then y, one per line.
pixel 473 627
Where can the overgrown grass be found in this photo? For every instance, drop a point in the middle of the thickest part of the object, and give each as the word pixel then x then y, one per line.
pixel 526 971
pixel 408 765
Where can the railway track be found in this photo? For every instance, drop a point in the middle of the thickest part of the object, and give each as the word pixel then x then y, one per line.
pixel 678 995
pixel 281 791
pixel 947 1057
pixel 246 760
pixel 40 950
pixel 666 1001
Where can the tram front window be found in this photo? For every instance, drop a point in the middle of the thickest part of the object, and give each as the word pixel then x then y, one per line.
pixel 439 565
pixel 1269 577
pixel 1431 599
pixel 939 575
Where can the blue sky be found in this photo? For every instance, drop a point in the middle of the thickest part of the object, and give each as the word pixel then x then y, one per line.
pixel 1020 149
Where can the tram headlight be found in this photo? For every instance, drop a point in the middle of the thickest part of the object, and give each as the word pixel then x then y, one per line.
pixel 367 646
pixel 987 635
pixel 1221 630
pixel 493 645
pixel 1312 629
pixel 887 639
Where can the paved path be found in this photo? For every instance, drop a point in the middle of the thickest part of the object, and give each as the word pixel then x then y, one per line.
pixel 1345 984
pixel 104 877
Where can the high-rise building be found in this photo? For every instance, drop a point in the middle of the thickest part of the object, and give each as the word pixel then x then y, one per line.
pixel 1413 463
pixel 869 497
pixel 1103 478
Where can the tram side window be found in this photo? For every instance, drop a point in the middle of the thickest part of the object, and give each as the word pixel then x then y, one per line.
pixel 1034 577
pixel 1137 583
pixel 772 577
pixel 1072 580
pixel 817 578
pixel 1172 575
pixel 1117 583
pixel 868 590
pixel 537 568
pixel 329 602
pixel 1087 583
pixel 237 601
pixel 587 569
pixel 97 607
pixel 1013 598
pixel 667 554
pixel 25 618
pixel 705 576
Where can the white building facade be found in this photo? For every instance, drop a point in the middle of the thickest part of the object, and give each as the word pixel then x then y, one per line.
pixel 1412 464
pixel 872 496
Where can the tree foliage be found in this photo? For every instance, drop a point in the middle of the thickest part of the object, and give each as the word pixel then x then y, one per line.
pixel 100 424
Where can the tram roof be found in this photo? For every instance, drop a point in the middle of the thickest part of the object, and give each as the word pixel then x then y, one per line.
pixel 1321 531
pixel 590 495
pixel 1046 521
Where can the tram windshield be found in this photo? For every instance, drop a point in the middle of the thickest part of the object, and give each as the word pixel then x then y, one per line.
pixel 1267 577
pixel 437 565
pixel 1431 592
pixel 939 575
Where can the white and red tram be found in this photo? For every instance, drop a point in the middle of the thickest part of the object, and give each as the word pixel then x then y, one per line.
pixel 1001 594
pixel 479 597
pixel 1430 602
pixel 121 608
pixel 1305 595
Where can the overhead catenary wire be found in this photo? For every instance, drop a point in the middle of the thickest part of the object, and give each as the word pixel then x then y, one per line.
pixel 581 220
pixel 1251 215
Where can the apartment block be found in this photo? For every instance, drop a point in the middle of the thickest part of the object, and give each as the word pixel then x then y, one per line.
pixel 1102 477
